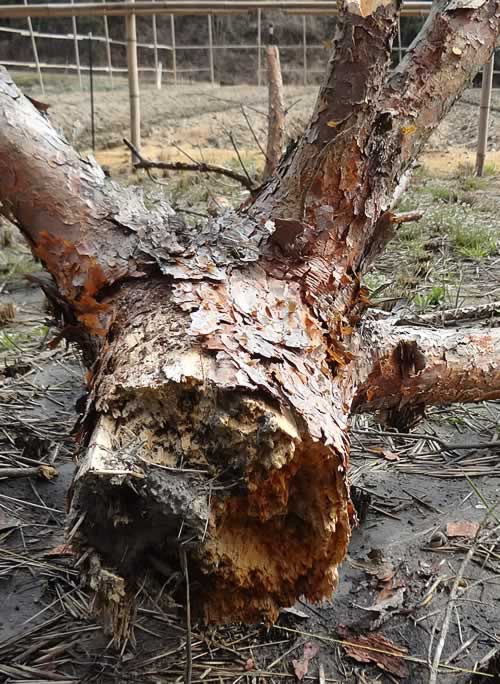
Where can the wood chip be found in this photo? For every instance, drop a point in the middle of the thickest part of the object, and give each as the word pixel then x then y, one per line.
pixel 462 528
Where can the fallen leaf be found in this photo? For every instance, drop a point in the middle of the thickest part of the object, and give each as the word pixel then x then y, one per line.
pixel 301 667
pixel 250 665
pixel 386 572
pixel 394 600
pixel 386 453
pixel 374 648
pixel 462 528
pixel 61 550
pixel 310 650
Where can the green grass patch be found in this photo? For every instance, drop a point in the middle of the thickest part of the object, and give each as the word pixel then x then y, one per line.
pixel 16 341
pixel 471 183
pixel 433 298
pixel 473 242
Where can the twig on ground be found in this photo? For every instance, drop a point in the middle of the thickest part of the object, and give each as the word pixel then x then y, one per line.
pixel 202 167
pixel 434 666
pixel 188 673
pixel 45 472
pixel 466 313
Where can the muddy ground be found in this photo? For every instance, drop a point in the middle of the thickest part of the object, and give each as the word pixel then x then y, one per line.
pixel 406 560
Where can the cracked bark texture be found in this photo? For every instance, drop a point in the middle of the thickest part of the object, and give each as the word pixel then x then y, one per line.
pixel 225 359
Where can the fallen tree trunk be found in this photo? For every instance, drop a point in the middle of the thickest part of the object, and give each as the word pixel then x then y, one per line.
pixel 225 359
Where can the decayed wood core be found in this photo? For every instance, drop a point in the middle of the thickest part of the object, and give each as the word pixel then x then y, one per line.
pixel 180 455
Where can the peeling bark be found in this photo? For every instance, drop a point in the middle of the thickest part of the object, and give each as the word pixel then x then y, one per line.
pixel 225 358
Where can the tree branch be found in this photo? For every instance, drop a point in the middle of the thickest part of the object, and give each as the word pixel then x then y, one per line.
pixel 465 313
pixel 88 231
pixel 367 129
pixel 343 115
pixel 399 366
pixel 201 167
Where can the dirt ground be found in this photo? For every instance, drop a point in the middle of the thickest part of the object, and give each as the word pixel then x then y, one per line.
pixel 413 562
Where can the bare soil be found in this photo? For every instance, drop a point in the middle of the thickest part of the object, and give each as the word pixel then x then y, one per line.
pixel 403 560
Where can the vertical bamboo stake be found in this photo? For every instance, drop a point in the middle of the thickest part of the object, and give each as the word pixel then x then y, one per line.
pixel 108 48
pixel 304 47
pixel 159 75
pixel 133 81
pixel 259 46
pixel 484 115
pixel 400 46
pixel 155 42
pixel 77 50
pixel 172 40
pixel 91 83
pixel 35 53
pixel 276 113
pixel 211 50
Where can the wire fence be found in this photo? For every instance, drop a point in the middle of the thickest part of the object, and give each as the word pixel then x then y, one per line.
pixel 166 54
pixel 173 60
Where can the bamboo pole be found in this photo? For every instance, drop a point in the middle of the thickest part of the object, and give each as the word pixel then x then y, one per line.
pixel 211 50
pixel 259 46
pixel 155 42
pixel 133 82
pixel 172 40
pixel 484 115
pixel 35 51
pixel 276 112
pixel 77 50
pixel 400 46
pixel 108 48
pixel 304 47
pixel 187 7
pixel 91 84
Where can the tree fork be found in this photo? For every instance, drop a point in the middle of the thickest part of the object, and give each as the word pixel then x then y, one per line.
pixel 225 359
